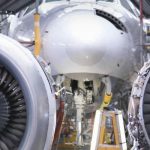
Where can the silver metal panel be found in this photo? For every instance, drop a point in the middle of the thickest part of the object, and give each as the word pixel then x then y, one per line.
pixel 73 34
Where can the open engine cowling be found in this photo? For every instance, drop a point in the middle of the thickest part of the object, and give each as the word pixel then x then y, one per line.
pixel 27 104
pixel 139 109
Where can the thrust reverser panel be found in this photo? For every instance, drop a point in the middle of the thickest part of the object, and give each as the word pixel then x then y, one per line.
pixel 27 105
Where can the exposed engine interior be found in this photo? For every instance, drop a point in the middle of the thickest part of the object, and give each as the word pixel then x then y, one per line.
pixel 139 113
pixel 13 115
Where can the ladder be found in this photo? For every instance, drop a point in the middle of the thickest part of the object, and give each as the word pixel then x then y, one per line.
pixel 108 131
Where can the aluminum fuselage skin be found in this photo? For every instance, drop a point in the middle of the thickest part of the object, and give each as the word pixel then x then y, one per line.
pixel 81 44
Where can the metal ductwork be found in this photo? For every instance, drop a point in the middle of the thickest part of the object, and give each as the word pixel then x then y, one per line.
pixel 27 104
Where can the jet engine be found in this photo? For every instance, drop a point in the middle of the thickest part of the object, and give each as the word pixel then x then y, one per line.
pixel 139 110
pixel 27 104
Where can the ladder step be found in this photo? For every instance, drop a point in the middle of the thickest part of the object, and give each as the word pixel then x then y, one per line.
pixel 108 147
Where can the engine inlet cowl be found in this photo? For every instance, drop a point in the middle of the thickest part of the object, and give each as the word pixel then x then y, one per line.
pixel 27 105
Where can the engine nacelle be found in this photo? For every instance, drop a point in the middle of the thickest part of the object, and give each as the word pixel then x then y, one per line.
pixel 139 110
pixel 27 104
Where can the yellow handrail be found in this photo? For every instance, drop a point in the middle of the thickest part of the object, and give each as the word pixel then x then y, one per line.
pixel 37 36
